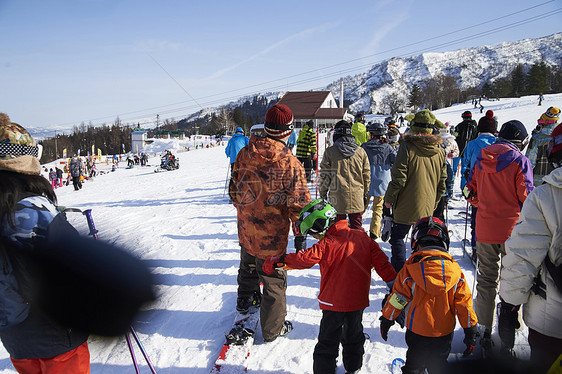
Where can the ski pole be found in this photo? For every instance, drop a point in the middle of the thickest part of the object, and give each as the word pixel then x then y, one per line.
pixel 142 350
pixel 226 180
pixel 465 227
pixel 94 233
pixel 130 345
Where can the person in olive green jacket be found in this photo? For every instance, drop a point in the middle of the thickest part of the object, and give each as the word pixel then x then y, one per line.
pixel 359 130
pixel 345 173
pixel 418 180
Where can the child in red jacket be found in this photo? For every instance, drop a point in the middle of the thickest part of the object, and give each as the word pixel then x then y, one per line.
pixel 346 257
pixel 431 289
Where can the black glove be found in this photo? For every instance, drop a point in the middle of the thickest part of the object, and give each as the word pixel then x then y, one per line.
pixel 385 326
pixel 300 243
pixel 470 334
pixel 401 319
pixel 366 199
pixel 508 323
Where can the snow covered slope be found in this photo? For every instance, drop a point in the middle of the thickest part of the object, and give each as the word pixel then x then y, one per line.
pixel 181 225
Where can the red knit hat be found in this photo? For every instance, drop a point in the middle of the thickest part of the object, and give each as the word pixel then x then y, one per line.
pixel 278 121
pixel 488 123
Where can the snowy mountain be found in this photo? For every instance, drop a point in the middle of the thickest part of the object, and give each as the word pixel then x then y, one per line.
pixel 181 225
pixel 470 67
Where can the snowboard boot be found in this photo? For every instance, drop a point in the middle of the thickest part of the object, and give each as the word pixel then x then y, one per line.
pixel 243 304
pixel 287 328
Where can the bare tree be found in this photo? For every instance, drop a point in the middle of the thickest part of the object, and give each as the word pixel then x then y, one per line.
pixel 393 103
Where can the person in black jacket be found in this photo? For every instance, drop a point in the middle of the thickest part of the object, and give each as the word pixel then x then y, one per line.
pixel 464 132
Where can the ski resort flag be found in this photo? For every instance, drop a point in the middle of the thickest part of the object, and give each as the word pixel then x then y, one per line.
pixel 93 150
pixel 99 154
pixel 123 147
pixel 64 153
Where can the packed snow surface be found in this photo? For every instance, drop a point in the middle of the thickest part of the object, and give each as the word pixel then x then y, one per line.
pixel 182 226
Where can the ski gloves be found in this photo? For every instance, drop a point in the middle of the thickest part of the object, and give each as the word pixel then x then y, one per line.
pixel 507 323
pixel 385 326
pixel 470 334
pixel 386 323
pixel 272 263
pixel 300 243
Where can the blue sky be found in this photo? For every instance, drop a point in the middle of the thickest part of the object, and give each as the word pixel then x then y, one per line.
pixel 64 62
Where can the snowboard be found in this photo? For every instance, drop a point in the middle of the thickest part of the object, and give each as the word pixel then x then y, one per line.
pixel 239 340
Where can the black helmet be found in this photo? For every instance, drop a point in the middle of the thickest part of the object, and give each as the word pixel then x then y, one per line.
pixel 514 132
pixel 360 117
pixel 377 128
pixel 466 114
pixel 430 230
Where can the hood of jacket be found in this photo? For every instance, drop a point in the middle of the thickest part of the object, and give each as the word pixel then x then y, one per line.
pixel 266 149
pixel 433 270
pixel 497 156
pixel 238 135
pixel 428 145
pixel 554 178
pixel 346 145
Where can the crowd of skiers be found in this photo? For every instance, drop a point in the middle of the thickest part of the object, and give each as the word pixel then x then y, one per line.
pixel 410 181
pixel 517 219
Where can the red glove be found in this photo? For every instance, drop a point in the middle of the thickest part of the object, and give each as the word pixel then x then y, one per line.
pixel 272 263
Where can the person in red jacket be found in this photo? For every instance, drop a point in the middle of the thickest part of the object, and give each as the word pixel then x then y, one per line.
pixel 432 290
pixel 498 184
pixel 346 257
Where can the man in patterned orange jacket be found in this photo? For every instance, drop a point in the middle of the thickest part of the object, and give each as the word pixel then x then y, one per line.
pixel 268 190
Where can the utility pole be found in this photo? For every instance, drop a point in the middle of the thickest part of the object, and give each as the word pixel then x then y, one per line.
pixel 157 120
pixel 56 149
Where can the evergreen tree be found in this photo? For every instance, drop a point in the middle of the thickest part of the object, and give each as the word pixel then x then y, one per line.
pixel 415 98
pixel 518 79
pixel 537 78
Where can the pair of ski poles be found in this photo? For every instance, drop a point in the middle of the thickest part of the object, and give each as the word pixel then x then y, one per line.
pixel 94 232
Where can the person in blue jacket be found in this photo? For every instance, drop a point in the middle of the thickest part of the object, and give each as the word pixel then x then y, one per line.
pixel 292 141
pixel 487 129
pixel 235 144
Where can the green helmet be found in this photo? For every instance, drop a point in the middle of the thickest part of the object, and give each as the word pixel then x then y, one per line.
pixel 316 217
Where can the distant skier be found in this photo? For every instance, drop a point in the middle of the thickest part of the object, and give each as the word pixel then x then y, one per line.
pixel 346 257
pixel 432 289
pixel 541 98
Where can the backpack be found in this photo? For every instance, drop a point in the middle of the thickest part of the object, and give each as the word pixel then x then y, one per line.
pixel 14 307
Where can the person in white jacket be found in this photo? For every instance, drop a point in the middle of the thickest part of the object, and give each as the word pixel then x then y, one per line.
pixel 535 241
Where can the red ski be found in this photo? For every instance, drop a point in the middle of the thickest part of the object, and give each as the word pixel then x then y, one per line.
pixel 236 350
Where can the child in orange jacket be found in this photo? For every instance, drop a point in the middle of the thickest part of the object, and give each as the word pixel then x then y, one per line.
pixel 432 291
pixel 346 257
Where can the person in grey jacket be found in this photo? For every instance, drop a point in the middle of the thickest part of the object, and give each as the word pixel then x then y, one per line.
pixel 535 246
pixel 381 157
pixel 345 174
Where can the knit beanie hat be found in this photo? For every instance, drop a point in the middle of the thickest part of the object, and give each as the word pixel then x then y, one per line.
pixel 18 151
pixel 488 123
pixel 424 122
pixel 551 116
pixel 342 128
pixel 513 131
pixel 555 146
pixel 278 121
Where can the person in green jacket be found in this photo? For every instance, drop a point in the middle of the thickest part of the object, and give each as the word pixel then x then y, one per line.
pixel 417 183
pixel 359 130
pixel 306 148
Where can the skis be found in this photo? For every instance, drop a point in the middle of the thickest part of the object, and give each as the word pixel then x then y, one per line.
pixel 236 350
pixel 471 257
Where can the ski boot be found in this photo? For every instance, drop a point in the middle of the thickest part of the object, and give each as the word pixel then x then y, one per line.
pixel 487 343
